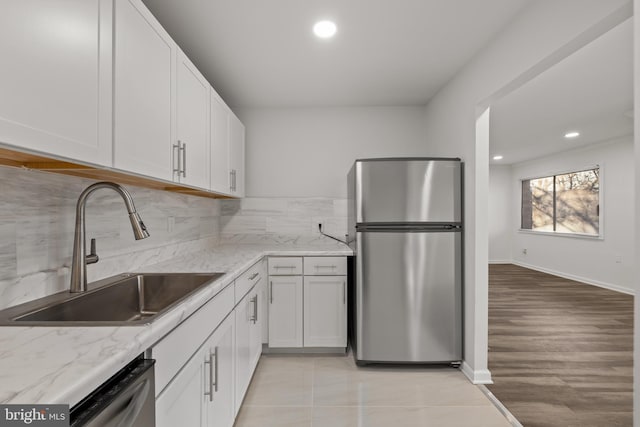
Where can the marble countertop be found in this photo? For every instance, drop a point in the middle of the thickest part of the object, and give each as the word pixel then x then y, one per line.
pixel 48 365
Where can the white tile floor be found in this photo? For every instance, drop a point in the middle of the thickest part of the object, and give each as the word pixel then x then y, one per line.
pixel 330 391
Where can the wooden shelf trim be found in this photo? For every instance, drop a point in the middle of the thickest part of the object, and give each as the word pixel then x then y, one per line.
pixel 19 159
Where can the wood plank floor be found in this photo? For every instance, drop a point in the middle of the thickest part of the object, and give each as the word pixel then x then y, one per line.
pixel 560 352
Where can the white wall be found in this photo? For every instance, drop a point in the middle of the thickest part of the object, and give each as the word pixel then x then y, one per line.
pixel 261 216
pixel 307 152
pixel 500 214
pixel 586 259
pixel 540 36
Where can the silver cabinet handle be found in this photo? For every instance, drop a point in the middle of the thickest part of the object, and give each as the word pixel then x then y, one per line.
pixel 231 180
pixel 254 316
pixel 184 160
pixel 233 176
pixel 176 158
pixel 215 384
pixel 255 313
pixel 271 291
pixel 344 292
pixel 253 276
pixel 333 267
pixel 284 266
pixel 213 373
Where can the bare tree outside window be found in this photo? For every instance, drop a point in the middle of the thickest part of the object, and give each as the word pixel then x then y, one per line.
pixel 566 203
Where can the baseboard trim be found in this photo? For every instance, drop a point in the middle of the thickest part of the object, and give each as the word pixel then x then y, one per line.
pixel 501 261
pixel 480 376
pixel 585 280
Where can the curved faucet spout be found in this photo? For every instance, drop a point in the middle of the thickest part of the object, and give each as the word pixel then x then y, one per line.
pixel 79 260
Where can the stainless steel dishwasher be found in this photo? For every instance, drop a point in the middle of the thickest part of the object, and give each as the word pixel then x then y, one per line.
pixel 125 400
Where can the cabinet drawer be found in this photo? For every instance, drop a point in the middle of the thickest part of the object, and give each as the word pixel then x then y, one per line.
pixel 325 266
pixel 173 351
pixel 247 280
pixel 285 266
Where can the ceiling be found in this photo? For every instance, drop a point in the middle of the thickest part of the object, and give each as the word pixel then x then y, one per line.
pixel 590 92
pixel 260 53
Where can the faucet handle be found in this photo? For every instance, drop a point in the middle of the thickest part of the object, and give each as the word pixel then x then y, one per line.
pixel 93 257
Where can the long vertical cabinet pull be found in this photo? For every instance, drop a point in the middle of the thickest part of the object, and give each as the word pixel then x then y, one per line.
pixel 344 292
pixel 184 160
pixel 254 315
pixel 214 385
pixel 255 309
pixel 213 367
pixel 231 180
pixel 271 291
pixel 177 152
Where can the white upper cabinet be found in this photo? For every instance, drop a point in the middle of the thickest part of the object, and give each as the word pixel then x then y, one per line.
pixel 192 110
pixel 145 58
pixel 220 172
pixel 227 149
pixel 55 77
pixel 236 155
pixel 101 82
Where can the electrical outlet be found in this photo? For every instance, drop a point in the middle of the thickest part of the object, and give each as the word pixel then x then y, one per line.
pixel 524 251
pixel 618 259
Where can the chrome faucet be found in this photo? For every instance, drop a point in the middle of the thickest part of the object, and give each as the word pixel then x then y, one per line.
pixel 80 259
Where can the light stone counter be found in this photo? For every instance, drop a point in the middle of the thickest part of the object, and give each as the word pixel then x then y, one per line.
pixel 47 365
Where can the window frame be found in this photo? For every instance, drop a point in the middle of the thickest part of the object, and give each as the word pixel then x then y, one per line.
pixel 601 212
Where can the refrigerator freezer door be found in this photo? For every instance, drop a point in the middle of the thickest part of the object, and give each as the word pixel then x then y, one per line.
pixel 408 297
pixel 397 191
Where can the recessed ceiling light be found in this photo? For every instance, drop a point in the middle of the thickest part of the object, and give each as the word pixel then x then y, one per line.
pixel 325 29
pixel 498 157
pixel 570 135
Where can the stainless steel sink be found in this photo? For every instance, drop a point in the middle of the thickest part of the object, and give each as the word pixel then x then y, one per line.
pixel 128 299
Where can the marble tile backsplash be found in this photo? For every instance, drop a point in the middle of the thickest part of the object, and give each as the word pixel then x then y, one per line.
pixel 255 218
pixel 37 214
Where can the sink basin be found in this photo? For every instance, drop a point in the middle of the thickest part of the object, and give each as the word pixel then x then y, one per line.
pixel 129 299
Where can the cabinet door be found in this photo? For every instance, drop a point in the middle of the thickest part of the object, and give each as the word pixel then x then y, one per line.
pixel 183 401
pixel 236 155
pixel 263 308
pixel 192 112
pixel 255 327
pixel 144 90
pixel 221 411
pixel 285 311
pixel 325 311
pixel 243 314
pixel 56 77
pixel 220 173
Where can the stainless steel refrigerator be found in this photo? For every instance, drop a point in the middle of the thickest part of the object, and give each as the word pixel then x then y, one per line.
pixel 405 228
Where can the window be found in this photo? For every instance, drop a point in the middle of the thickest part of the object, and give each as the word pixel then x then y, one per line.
pixel 566 203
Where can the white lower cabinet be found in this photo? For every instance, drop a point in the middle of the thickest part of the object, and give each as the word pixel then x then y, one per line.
pixel 308 302
pixel 285 311
pixel 202 377
pixel 202 394
pixel 325 311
